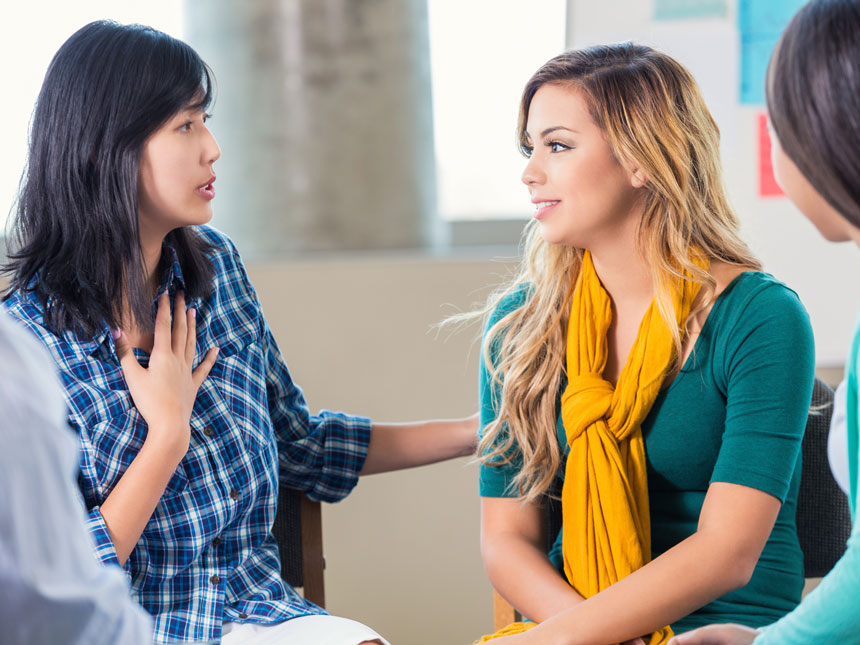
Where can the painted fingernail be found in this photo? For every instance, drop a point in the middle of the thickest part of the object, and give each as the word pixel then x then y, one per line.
pixel 193 312
pixel 116 333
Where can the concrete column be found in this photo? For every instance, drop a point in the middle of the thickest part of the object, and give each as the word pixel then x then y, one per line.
pixel 324 117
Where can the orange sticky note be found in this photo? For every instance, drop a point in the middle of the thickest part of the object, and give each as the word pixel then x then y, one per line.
pixel 767 186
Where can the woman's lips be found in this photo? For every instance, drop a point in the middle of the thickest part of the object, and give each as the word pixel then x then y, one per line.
pixel 541 208
pixel 207 191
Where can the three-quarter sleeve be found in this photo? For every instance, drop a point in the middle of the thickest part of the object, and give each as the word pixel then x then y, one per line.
pixel 766 404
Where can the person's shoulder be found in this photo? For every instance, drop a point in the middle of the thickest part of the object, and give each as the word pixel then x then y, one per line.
pixel 227 266
pixel 27 311
pixel 233 297
pixel 220 245
pixel 760 291
pixel 756 305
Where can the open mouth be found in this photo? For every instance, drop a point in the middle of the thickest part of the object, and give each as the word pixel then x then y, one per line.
pixel 207 190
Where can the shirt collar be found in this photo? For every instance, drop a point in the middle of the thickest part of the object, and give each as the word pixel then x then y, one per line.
pixel 171 281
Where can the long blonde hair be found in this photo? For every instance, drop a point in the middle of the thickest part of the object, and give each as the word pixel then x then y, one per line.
pixel 653 116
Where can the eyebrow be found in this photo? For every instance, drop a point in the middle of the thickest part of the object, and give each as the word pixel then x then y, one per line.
pixel 551 130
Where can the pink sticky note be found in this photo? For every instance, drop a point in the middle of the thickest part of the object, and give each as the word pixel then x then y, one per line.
pixel 767 186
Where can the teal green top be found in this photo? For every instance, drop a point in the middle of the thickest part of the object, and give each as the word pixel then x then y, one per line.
pixel 736 413
pixel 831 612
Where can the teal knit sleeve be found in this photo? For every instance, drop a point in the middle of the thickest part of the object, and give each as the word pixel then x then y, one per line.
pixel 766 403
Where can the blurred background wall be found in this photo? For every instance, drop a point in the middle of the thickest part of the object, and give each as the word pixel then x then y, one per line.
pixel 370 179
pixel 402 551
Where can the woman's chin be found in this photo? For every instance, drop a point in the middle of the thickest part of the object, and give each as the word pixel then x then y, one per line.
pixel 548 233
pixel 556 237
pixel 201 219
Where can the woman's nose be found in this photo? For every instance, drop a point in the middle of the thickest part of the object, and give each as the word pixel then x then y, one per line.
pixel 533 173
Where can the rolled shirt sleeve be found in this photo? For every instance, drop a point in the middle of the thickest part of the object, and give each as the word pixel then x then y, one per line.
pixel 320 455
pixel 104 548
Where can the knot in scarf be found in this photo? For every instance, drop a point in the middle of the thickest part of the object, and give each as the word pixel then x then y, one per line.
pixel 591 396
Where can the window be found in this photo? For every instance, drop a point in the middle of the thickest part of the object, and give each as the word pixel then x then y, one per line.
pixel 28 40
pixel 482 52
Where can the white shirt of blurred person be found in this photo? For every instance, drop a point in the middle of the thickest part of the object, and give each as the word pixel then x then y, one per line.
pixel 52 589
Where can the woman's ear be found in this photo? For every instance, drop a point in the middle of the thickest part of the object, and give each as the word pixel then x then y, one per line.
pixel 638 178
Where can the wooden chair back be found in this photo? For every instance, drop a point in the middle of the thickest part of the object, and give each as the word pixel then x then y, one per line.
pixel 298 531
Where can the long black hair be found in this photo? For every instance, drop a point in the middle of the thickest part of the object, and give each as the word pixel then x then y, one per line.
pixel 813 98
pixel 75 234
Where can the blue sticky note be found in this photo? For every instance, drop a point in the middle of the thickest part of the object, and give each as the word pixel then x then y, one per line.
pixel 673 9
pixel 766 16
pixel 755 54
pixel 761 23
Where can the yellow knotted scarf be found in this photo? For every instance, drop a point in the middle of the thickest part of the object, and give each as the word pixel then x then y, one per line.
pixel 605 513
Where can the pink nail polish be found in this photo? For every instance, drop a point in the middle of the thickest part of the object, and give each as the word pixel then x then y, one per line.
pixel 116 333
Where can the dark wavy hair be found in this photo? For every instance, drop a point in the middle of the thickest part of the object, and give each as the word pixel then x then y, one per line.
pixel 813 99
pixel 75 238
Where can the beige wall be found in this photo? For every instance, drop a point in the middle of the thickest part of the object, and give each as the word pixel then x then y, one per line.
pixel 402 551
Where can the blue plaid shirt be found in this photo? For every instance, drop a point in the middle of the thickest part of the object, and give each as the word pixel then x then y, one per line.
pixel 207 554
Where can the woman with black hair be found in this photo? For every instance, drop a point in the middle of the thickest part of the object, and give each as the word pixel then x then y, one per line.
pixel 813 100
pixel 186 420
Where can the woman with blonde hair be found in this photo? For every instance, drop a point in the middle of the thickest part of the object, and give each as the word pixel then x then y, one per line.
pixel 643 357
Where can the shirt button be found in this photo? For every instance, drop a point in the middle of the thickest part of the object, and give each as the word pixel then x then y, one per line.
pixel 208 431
pixel 216 541
pixel 243 616
pixel 215 580
pixel 234 494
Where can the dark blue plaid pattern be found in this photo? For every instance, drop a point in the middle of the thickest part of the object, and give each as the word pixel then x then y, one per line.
pixel 207 554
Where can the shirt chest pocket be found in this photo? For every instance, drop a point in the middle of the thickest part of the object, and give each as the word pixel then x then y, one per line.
pixel 237 387
pixel 116 441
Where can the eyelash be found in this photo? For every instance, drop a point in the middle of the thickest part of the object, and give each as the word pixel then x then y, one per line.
pixel 526 150
pixel 185 127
